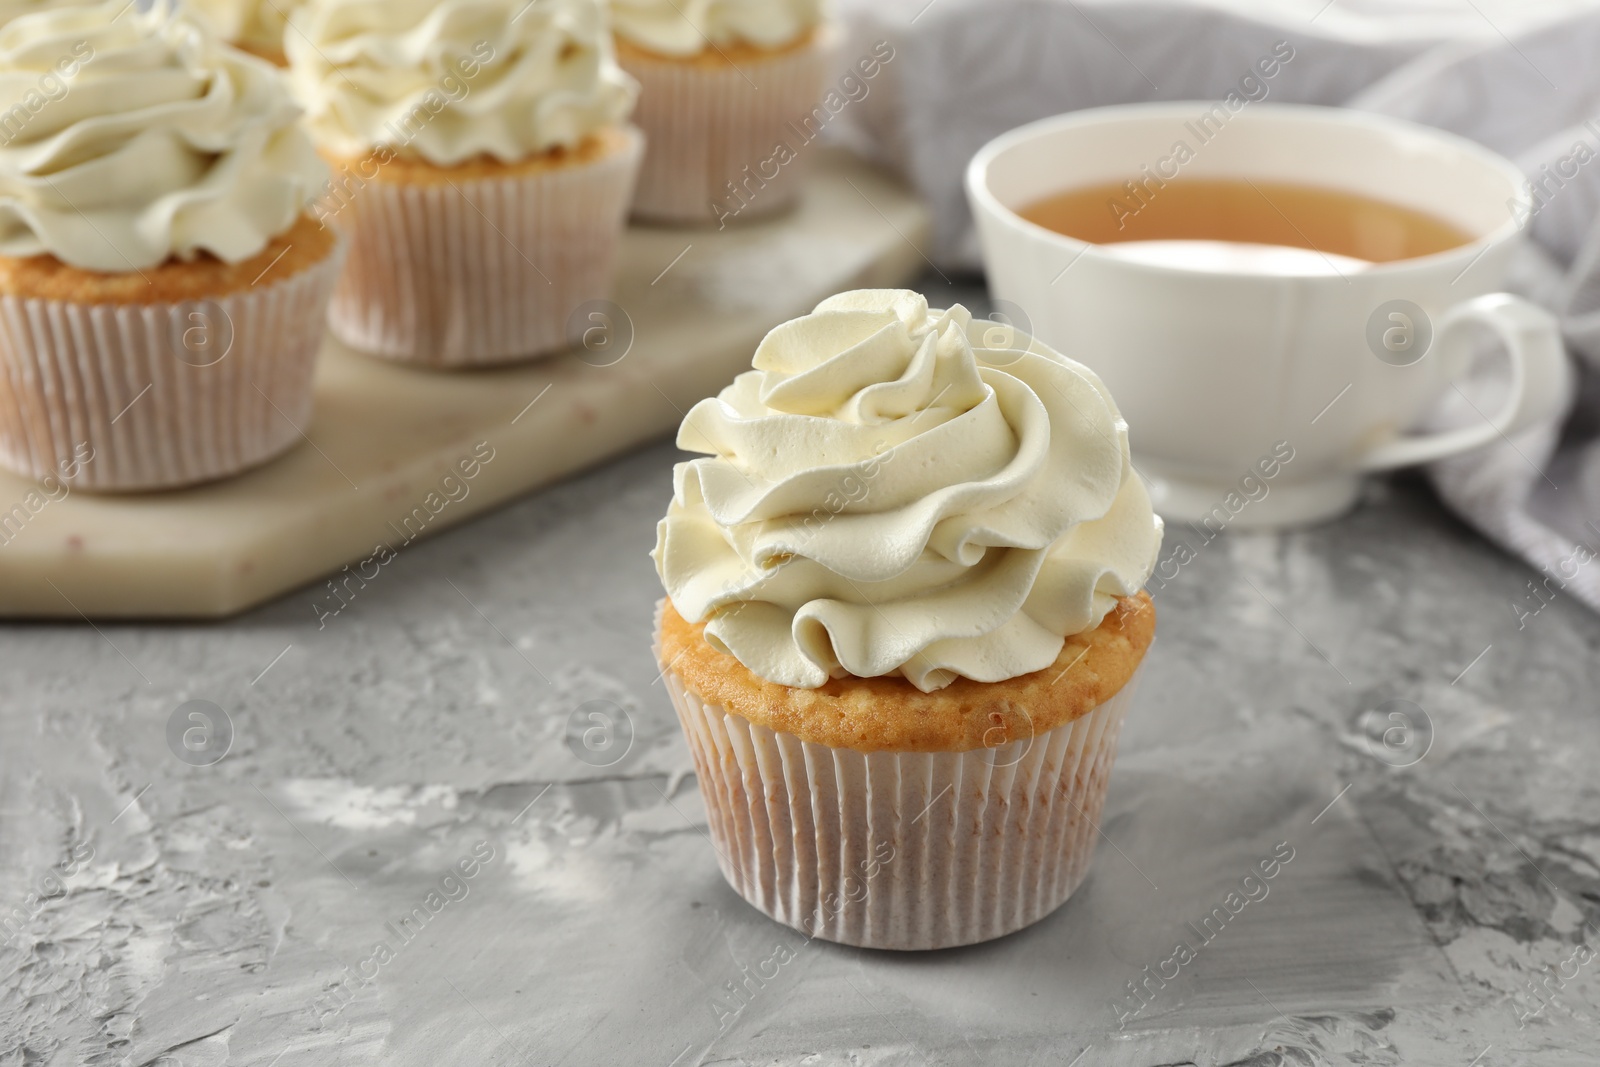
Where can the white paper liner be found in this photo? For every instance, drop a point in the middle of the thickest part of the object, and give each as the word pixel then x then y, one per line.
pixel 704 125
pixel 905 850
pixel 135 388
pixel 485 271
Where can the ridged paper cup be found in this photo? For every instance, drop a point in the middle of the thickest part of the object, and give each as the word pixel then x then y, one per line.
pixel 902 850
pixel 156 396
pixel 462 272
pixel 707 120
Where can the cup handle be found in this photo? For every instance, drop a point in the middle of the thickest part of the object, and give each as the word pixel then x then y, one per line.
pixel 1539 380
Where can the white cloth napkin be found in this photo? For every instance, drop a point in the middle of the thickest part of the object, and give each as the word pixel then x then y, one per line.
pixel 1520 78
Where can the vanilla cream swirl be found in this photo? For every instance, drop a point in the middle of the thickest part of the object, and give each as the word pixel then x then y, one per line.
pixel 448 80
pixel 898 491
pixel 128 137
pixel 258 24
pixel 685 27
pixel 10 9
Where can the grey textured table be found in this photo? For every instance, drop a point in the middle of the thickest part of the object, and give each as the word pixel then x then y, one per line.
pixel 157 910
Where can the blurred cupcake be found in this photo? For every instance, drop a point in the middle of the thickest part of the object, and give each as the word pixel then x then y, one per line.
pixel 904 619
pixel 256 26
pixel 728 89
pixel 481 167
pixel 161 286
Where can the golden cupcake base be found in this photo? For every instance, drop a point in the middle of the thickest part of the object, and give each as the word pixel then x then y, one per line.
pixel 156 379
pixel 729 132
pixel 473 266
pixel 896 819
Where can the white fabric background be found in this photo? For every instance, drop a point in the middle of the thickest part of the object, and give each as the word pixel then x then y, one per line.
pixel 1518 77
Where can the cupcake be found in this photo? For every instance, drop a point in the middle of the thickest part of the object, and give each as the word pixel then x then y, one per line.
pixel 162 286
pixel 481 164
pixel 728 100
pixel 904 619
pixel 255 26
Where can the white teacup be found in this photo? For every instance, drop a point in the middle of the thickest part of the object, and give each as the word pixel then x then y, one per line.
pixel 1222 372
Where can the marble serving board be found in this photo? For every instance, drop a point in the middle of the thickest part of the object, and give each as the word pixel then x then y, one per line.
pixel 395 454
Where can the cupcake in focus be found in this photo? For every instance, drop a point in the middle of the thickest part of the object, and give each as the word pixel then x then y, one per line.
pixel 256 26
pixel 723 83
pixel 482 169
pixel 162 287
pixel 904 617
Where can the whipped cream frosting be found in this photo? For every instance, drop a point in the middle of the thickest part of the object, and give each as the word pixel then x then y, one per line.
pixel 448 80
pixel 685 27
pixel 10 9
pixel 899 491
pixel 129 137
pixel 256 23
